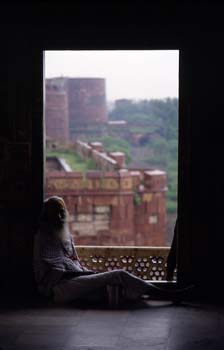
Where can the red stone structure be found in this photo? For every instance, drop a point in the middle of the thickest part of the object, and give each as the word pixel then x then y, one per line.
pixel 73 106
pixel 87 101
pixel 107 161
pixel 113 208
pixel 56 113
pixel 119 157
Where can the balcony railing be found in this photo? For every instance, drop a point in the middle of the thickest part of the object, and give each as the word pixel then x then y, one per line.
pixel 148 263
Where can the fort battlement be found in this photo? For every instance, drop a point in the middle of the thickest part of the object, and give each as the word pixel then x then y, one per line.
pixel 122 180
pixel 107 161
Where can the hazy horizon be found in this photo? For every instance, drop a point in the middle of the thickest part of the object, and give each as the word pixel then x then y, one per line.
pixel 139 74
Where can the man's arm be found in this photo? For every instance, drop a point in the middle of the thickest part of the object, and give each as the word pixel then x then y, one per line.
pixel 76 257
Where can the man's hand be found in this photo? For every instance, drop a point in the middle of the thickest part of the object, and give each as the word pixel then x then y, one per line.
pixel 88 272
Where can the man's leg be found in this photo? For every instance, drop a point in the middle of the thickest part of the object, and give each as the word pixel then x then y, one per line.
pixel 133 286
pixel 82 286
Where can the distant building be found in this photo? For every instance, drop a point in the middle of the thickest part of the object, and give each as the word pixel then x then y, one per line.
pixel 73 105
pixel 56 113
pixel 123 102
pixel 87 101
pixel 118 123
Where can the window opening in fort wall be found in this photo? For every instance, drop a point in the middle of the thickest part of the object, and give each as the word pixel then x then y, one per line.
pixel 114 161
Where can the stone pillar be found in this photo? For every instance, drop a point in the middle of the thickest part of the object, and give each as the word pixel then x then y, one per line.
pixel 119 157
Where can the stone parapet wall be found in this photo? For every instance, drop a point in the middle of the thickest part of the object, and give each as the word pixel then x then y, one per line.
pixel 91 181
pixel 96 180
pixel 148 263
pixel 83 149
pixel 56 164
pixel 104 161
pixel 111 161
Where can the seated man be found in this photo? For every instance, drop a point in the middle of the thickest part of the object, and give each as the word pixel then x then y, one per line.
pixel 58 271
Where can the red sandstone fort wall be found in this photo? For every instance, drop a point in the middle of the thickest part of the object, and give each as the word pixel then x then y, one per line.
pixel 113 208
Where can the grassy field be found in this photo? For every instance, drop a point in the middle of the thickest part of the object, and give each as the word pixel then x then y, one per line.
pixel 74 160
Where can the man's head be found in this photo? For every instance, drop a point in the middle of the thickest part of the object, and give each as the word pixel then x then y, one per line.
pixel 54 213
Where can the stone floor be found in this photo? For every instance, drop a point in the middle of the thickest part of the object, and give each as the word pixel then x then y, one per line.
pixel 156 325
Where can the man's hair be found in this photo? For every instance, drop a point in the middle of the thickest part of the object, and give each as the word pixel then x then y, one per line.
pixel 54 211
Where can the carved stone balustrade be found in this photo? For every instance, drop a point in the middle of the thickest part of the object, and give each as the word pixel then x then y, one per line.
pixel 148 263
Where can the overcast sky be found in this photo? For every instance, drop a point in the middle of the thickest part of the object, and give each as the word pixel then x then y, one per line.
pixel 129 74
